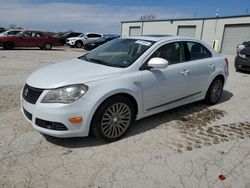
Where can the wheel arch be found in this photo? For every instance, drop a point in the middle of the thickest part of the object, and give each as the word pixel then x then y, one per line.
pixel 220 76
pixel 109 96
pixel 79 41
pixel 10 42
pixel 48 42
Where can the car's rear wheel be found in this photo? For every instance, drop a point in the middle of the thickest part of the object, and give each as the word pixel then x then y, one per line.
pixel 47 46
pixel 8 45
pixel 214 92
pixel 113 118
pixel 78 44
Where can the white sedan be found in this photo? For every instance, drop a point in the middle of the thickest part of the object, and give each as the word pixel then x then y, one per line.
pixel 127 79
pixel 78 41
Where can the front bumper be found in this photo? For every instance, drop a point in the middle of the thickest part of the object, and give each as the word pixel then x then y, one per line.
pixel 242 64
pixel 71 43
pixel 59 113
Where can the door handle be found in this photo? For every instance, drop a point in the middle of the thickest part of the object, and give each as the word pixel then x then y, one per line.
pixel 185 72
pixel 211 66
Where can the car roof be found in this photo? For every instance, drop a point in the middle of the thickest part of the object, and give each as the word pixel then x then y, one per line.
pixel 157 38
pixel 15 30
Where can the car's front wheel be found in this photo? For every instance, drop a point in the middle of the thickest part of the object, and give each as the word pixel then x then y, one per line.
pixel 113 118
pixel 47 46
pixel 78 44
pixel 214 92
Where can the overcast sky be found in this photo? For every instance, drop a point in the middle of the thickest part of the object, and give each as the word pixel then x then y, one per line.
pixel 105 16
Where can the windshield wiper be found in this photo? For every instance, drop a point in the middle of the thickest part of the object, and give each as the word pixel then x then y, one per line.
pixel 83 57
pixel 98 61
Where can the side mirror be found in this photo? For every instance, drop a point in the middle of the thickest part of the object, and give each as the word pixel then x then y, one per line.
pixel 158 63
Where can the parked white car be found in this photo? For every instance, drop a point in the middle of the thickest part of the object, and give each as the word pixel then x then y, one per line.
pixel 124 80
pixel 10 32
pixel 79 40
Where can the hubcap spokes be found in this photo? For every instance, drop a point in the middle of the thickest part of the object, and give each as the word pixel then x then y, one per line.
pixel 217 90
pixel 116 120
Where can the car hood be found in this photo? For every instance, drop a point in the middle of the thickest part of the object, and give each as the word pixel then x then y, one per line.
pixel 70 72
pixel 76 38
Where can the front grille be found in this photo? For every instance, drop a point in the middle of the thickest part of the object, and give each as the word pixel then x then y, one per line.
pixel 31 94
pixel 50 125
pixel 27 114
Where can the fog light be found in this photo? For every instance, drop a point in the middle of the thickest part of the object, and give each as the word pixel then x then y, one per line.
pixel 75 119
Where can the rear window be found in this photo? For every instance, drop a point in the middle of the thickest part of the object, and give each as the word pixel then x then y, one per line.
pixel 198 51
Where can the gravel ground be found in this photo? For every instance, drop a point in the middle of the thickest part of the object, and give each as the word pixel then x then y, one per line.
pixel 189 146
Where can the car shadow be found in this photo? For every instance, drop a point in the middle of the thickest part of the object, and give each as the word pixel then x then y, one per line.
pixel 242 71
pixel 140 126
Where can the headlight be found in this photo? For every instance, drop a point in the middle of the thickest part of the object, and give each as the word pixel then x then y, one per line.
pixel 242 55
pixel 67 94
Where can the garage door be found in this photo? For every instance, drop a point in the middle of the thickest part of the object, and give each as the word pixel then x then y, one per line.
pixel 187 31
pixel 134 31
pixel 234 35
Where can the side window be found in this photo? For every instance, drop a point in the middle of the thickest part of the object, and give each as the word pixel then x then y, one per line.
pixel 40 35
pixel 12 32
pixel 33 35
pixel 27 34
pixel 198 51
pixel 93 35
pixel 173 52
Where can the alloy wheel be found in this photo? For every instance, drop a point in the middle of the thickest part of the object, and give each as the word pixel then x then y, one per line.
pixel 216 91
pixel 116 120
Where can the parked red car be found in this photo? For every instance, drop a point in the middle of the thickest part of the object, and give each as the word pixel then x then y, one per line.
pixel 30 39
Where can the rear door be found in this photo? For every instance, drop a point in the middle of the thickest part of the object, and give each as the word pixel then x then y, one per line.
pixel 201 65
pixel 163 87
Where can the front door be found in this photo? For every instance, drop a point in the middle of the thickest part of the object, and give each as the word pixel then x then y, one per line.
pixel 162 87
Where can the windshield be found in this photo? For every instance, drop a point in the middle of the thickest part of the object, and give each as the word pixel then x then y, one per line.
pixel 119 52
pixel 81 35
pixel 65 34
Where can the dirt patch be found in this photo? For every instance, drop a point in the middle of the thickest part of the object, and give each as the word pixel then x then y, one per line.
pixel 10 98
pixel 196 130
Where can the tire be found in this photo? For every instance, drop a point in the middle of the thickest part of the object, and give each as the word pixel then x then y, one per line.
pixel 78 44
pixel 112 119
pixel 8 45
pixel 47 46
pixel 214 92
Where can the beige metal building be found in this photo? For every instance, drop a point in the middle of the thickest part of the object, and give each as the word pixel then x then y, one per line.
pixel 223 33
